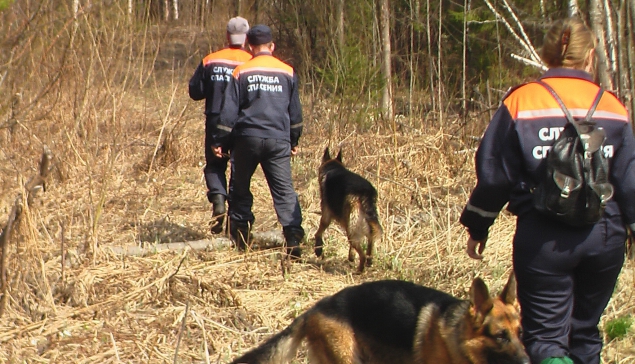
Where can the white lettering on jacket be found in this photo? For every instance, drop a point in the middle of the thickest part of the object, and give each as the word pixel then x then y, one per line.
pixel 222 70
pixel 263 79
pixel 264 87
pixel 219 78
pixel 540 151
pixel 548 134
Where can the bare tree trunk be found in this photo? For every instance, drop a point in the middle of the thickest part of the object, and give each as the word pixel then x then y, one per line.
pixel 257 10
pixel 414 16
pixel 596 12
pixel 466 9
pixel 439 57
pixel 572 8
pixel 175 5
pixel 75 13
pixel 340 25
pixel 431 60
pixel 166 8
pixel 130 10
pixel 611 45
pixel 621 46
pixel 630 54
pixel 543 11
pixel 386 68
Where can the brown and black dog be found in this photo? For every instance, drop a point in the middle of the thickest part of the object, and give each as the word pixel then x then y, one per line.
pixel 350 200
pixel 389 322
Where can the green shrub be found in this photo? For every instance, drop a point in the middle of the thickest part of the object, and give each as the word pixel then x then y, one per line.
pixel 5 4
pixel 618 328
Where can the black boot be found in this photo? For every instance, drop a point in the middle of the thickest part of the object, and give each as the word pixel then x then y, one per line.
pixel 293 235
pixel 239 233
pixel 218 213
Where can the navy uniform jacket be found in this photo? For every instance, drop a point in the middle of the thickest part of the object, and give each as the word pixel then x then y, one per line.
pixel 520 135
pixel 212 77
pixel 262 100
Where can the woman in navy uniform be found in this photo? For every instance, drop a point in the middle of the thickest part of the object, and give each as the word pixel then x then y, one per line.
pixel 565 275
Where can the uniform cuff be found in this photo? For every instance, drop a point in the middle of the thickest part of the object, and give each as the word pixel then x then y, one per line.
pixel 478 234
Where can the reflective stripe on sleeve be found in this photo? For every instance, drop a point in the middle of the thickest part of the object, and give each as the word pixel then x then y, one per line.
pixel 481 212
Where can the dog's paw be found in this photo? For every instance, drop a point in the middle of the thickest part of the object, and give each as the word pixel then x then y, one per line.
pixel 319 252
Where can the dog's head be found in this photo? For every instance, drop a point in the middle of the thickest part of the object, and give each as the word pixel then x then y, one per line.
pixel 327 156
pixel 329 163
pixel 495 332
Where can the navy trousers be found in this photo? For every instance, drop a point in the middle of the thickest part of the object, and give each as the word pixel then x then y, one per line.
pixel 565 279
pixel 215 168
pixel 274 157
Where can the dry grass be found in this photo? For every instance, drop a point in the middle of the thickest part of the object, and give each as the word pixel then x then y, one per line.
pixel 129 172
pixel 212 305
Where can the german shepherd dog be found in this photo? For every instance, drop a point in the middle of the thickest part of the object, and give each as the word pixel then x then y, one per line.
pixel 350 200
pixel 390 321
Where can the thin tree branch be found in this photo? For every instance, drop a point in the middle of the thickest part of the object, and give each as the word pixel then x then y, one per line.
pixel 524 43
pixel 529 62
pixel 534 54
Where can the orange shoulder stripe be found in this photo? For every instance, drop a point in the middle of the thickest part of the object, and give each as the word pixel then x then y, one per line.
pixel 264 63
pixel 532 100
pixel 228 56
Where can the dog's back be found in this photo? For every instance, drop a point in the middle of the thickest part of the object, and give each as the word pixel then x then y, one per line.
pixel 350 200
pixel 374 322
pixel 390 321
pixel 383 313
pixel 339 183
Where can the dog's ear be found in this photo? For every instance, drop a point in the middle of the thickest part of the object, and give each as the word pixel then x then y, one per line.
pixel 339 156
pixel 508 294
pixel 327 155
pixel 479 296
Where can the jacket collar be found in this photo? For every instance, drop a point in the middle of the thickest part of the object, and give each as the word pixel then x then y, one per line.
pixel 568 73
pixel 263 53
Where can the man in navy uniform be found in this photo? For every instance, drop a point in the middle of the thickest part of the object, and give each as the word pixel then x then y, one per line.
pixel 209 82
pixel 263 116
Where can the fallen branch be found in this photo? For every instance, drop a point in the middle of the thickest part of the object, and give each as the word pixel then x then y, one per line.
pixel 259 240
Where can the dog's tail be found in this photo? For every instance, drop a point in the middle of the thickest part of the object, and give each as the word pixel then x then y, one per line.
pixel 280 348
pixel 369 208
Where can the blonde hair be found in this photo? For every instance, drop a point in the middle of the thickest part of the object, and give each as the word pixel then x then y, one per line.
pixel 567 44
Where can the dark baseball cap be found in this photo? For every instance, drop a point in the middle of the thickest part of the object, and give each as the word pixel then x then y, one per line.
pixel 259 34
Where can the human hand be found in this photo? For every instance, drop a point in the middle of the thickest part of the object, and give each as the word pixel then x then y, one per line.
pixel 218 151
pixel 472 246
pixel 294 150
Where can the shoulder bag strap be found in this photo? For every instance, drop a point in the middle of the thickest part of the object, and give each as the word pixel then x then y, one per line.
pixel 553 93
pixel 595 104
